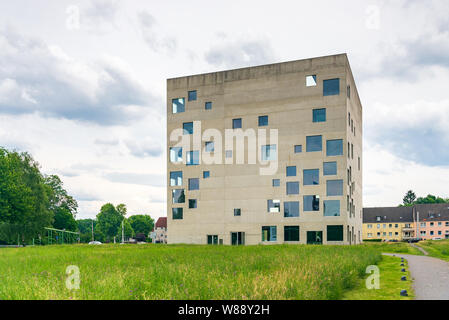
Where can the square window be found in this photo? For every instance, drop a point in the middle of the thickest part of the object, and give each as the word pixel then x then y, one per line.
pixel 311 177
pixel 269 233
pixel 188 127
pixel 175 178
pixel 331 87
pixel 276 182
pixel 228 154
pixel 334 188
pixel 292 188
pixel 334 233
pixel 330 168
pixel 311 203
pixel 192 204
pixel 206 174
pixel 208 105
pixel 334 147
pixel 311 81
pixel 237 123
pixel 298 148
pixel 291 233
pixel 178 196
pixel 291 171
pixel 178 105
pixel 319 115
pixel 192 95
pixel 314 143
pixel 193 158
pixel 237 212
pixel 263 121
pixel 269 153
pixel 291 209
pixel 175 154
pixel 194 184
pixel 177 213
pixel 273 206
pixel 209 146
pixel 332 208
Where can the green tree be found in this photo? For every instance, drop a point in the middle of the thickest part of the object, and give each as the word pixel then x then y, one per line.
pixel 409 198
pixel 109 221
pixel 430 199
pixel 85 229
pixel 63 206
pixel 141 223
pixel 128 231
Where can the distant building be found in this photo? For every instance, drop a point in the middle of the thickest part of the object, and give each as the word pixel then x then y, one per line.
pixel 424 221
pixel 159 234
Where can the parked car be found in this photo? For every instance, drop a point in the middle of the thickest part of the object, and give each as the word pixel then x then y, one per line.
pixel 413 240
pixel 95 242
pixel 437 238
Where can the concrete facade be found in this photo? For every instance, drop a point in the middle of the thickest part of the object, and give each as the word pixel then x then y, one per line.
pixel 278 91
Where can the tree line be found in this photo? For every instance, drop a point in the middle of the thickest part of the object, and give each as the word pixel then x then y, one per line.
pixel 410 199
pixel 31 201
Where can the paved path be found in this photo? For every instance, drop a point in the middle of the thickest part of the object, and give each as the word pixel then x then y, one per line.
pixel 420 249
pixel 430 275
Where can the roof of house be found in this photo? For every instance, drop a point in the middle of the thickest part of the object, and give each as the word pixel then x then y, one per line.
pixel 388 214
pixel 433 212
pixel 161 222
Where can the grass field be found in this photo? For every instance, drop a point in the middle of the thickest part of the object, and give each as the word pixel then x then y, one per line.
pixel 437 249
pixel 185 272
pixel 393 247
pixel 390 283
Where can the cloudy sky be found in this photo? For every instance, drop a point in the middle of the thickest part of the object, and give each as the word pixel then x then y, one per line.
pixel 82 84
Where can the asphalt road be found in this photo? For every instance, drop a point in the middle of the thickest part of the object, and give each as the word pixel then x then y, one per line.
pixel 430 275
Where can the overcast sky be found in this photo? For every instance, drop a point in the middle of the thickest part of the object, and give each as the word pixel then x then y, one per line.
pixel 82 84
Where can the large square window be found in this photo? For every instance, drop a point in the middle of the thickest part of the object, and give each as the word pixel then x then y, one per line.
pixel 175 154
pixel 291 209
pixel 175 178
pixel 209 146
pixel 178 196
pixel 291 171
pixel 331 208
pixel 273 206
pixel 314 143
pixel 319 115
pixel 188 127
pixel 311 177
pixel 178 105
pixel 193 158
pixel 269 152
pixel 311 203
pixel 334 188
pixel 263 121
pixel 194 184
pixel 334 147
pixel 237 123
pixel 330 168
pixel 269 233
pixel 311 81
pixel 177 213
pixel 291 233
pixel 331 87
pixel 208 105
pixel 192 95
pixel 292 187
pixel 334 233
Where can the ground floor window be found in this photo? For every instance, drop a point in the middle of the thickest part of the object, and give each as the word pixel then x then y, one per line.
pixel 314 237
pixel 212 239
pixel 334 233
pixel 269 233
pixel 291 233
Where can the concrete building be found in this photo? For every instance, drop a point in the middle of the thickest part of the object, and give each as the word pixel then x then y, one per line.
pixel 306 183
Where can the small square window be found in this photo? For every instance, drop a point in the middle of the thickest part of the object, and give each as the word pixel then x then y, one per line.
pixel 273 206
pixel 314 143
pixel 334 233
pixel 175 154
pixel 237 212
pixel 209 146
pixel 311 203
pixel 292 187
pixel 192 95
pixel 332 208
pixel 330 168
pixel 334 147
pixel 193 158
pixel 334 188
pixel 208 105
pixel 192 204
pixel 291 209
pixel 175 178
pixel 228 154
pixel 178 196
pixel 269 152
pixel 291 171
pixel 331 87
pixel 276 182
pixel 177 213
pixel 319 115
pixel 206 174
pixel 263 121
pixel 178 105
pixel 188 127
pixel 194 184
pixel 311 81
pixel 291 233
pixel 237 123
pixel 311 177
pixel 298 148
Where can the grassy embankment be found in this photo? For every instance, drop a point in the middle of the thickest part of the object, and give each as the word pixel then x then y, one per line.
pixel 185 272
pixel 436 248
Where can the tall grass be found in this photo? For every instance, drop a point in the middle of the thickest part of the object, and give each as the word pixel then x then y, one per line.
pixel 393 247
pixel 184 272
pixel 436 248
